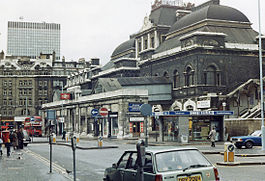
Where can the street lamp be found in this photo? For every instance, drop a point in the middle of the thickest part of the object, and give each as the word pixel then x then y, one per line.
pixel 261 84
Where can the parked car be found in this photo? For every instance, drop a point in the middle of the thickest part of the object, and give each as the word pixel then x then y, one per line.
pixel 26 139
pixel 254 139
pixel 170 164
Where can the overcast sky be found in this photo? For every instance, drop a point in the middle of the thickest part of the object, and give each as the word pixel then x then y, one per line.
pixel 94 28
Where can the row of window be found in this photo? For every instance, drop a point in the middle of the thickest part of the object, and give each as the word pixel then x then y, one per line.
pixel 7 83
pixel 7 112
pixel 145 44
pixel 211 76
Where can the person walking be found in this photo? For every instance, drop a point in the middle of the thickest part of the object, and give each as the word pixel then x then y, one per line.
pixel 212 136
pixel 20 137
pixel 64 132
pixel 1 142
pixel 15 140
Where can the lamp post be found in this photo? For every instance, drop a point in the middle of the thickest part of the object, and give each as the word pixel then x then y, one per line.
pixel 261 84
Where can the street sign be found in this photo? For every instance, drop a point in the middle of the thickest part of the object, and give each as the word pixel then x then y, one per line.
pixel 192 113
pixel 94 112
pixel 103 111
pixel 146 109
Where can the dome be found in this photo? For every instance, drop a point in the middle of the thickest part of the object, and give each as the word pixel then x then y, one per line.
pixel 216 12
pixel 124 47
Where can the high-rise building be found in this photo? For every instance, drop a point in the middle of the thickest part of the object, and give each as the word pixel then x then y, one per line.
pixel 31 39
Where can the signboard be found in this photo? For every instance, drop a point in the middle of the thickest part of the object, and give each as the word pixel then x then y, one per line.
pixel 146 110
pixel 103 111
pixel 193 113
pixel 136 119
pixel 94 112
pixel 204 104
pixel 65 96
pixel 134 107
pixel 51 115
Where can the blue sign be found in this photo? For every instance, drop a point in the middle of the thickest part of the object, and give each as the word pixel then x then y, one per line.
pixel 134 107
pixel 192 113
pixel 94 112
pixel 51 115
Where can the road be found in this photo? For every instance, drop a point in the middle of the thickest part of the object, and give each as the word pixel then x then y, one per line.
pixel 90 164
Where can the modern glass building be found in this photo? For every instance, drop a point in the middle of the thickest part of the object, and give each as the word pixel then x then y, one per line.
pixel 30 39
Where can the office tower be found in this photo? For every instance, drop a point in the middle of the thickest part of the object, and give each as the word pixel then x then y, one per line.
pixel 30 39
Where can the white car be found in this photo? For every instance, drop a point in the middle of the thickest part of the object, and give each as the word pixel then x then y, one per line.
pixel 164 164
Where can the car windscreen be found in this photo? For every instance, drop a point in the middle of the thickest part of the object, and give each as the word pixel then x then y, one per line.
pixel 256 133
pixel 179 160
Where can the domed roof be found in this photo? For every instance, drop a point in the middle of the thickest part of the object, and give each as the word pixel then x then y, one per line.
pixel 124 47
pixel 217 12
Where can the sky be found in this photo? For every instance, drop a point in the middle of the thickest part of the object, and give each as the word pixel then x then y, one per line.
pixel 94 28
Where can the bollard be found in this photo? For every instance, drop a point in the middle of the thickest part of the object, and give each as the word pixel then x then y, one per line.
pixel 77 137
pixel 100 141
pixel 229 152
pixel 53 137
pixel 67 137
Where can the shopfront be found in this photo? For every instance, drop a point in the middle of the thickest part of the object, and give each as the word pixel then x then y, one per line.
pixel 193 125
pixel 136 126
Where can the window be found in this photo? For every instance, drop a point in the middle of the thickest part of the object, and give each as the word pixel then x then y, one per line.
pixel 20 83
pixel 5 83
pixel 189 76
pixel 145 44
pixel 10 83
pixel 176 79
pixel 139 46
pixel 152 42
pixel 211 76
pixel 123 161
pixel 20 91
pixel 5 92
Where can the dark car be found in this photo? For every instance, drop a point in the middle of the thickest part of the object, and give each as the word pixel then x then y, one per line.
pixel 160 164
pixel 254 139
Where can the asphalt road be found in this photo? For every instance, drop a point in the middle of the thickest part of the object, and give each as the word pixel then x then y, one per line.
pixel 90 164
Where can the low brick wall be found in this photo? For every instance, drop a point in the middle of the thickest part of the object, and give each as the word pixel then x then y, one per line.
pixel 239 127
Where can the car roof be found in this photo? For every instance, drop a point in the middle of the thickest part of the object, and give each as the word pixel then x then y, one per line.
pixel 159 149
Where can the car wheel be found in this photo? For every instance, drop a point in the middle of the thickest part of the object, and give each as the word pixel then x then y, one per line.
pixel 25 144
pixel 249 144
pixel 107 179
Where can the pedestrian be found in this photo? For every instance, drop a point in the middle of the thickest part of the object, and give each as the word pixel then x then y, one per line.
pixel 20 137
pixel 7 144
pixel 1 142
pixel 64 132
pixel 212 136
pixel 15 140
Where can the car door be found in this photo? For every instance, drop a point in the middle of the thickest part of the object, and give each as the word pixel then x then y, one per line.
pixel 131 168
pixel 118 175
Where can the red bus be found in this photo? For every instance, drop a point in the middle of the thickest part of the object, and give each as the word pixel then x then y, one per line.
pixel 33 125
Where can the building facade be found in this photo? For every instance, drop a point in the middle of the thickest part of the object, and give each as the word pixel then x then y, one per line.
pixel 206 52
pixel 31 39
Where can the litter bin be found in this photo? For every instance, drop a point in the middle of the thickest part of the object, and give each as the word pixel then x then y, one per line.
pixel 229 152
pixel 100 141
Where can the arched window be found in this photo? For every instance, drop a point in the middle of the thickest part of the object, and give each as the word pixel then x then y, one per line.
pixel 189 76
pixel 212 76
pixel 175 79
pixel 189 108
